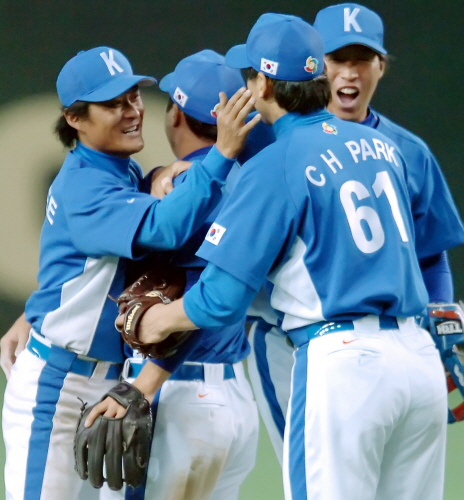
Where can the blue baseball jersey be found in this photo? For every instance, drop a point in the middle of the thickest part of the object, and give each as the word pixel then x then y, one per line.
pixel 324 213
pixel 437 222
pixel 94 216
pixel 225 344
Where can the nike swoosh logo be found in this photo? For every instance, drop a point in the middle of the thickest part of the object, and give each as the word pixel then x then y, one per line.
pixel 131 200
pixel 203 395
pixel 349 341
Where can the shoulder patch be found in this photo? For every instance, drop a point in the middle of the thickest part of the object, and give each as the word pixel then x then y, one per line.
pixel 215 233
pixel 329 129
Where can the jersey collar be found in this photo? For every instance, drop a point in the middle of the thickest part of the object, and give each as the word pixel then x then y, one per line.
pixel 371 120
pixel 291 120
pixel 195 154
pixel 102 160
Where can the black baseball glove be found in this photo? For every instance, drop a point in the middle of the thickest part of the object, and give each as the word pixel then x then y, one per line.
pixel 121 446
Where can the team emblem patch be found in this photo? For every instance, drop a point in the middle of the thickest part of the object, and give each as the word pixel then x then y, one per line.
pixel 214 110
pixel 215 233
pixel 180 97
pixel 311 65
pixel 268 66
pixel 329 129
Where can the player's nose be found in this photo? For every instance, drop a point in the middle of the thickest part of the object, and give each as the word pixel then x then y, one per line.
pixel 132 110
pixel 349 70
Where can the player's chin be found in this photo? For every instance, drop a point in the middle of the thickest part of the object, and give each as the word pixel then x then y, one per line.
pixel 348 110
pixel 131 145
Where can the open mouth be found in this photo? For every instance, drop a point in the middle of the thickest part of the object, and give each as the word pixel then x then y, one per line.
pixel 347 94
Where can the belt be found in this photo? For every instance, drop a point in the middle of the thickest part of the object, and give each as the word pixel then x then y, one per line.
pixel 301 336
pixel 79 366
pixel 186 372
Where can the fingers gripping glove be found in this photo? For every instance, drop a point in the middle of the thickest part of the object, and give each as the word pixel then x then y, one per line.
pixel 119 447
pixel 153 287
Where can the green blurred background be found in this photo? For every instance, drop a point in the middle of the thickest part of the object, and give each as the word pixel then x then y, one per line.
pixel 421 91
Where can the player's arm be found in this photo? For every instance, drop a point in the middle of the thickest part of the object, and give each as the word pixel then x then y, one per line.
pixel 171 221
pixel 161 178
pixel 232 132
pixel 148 382
pixel 13 342
pixel 158 182
pixel 217 299
pixel 145 223
pixel 438 225
pixel 437 277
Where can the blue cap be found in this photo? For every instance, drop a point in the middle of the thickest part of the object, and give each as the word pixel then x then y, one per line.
pixel 196 82
pixel 97 75
pixel 281 46
pixel 350 24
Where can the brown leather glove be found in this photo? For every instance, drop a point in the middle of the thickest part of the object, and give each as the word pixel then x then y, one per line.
pixel 153 287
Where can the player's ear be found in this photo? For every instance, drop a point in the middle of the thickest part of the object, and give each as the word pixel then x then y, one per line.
pixel 72 120
pixel 382 65
pixel 263 85
pixel 177 115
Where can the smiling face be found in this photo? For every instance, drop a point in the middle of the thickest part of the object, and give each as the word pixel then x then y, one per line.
pixel 113 127
pixel 354 72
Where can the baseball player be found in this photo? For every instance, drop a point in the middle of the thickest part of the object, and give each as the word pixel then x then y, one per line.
pixel 95 218
pixel 355 61
pixel 367 413
pixel 206 419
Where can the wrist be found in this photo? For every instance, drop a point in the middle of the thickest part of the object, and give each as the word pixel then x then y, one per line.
pixel 217 164
pixel 150 380
pixel 227 152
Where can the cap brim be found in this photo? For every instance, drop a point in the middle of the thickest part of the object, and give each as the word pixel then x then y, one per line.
pixel 117 87
pixel 237 57
pixel 166 82
pixel 338 43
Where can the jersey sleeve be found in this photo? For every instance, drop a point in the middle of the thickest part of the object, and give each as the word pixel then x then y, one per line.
pixel 103 214
pixel 217 299
pixel 109 219
pixel 437 223
pixel 253 229
pixel 170 222
pixel 437 277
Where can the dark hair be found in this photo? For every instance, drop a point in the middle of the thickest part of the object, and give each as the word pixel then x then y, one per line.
pixel 303 97
pixel 67 134
pixel 357 51
pixel 202 130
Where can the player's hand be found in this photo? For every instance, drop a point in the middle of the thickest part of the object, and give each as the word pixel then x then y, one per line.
pixel 109 407
pixel 161 180
pixel 231 115
pixel 151 325
pixel 13 342
pixel 150 330
pixel 161 320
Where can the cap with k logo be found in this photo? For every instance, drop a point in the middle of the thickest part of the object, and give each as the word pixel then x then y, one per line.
pixel 97 75
pixel 350 24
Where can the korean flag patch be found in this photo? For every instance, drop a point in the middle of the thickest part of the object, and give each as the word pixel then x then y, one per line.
pixel 180 97
pixel 215 233
pixel 268 66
